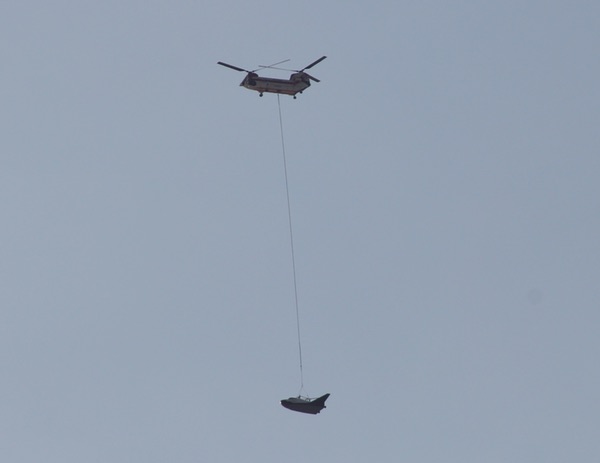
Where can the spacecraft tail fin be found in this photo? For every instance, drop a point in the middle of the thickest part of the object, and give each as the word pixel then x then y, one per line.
pixel 321 400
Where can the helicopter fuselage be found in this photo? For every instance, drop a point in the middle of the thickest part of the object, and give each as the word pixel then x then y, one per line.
pixel 297 83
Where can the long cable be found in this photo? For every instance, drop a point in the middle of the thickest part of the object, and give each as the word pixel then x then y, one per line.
pixel 287 190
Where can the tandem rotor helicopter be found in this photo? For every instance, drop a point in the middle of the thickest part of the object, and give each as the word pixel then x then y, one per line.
pixel 297 83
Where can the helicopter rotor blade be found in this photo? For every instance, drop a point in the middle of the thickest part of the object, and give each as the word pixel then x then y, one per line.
pixel 279 69
pixel 272 66
pixel 311 77
pixel 235 68
pixel 314 63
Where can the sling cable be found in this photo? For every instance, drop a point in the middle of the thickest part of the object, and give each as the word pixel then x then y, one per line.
pixel 299 403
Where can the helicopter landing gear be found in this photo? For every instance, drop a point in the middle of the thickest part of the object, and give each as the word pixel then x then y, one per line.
pixel 294 97
pixel 260 94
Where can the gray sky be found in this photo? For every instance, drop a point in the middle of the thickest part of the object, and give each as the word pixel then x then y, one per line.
pixel 444 181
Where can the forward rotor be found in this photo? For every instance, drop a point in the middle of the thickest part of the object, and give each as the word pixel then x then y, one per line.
pixel 314 63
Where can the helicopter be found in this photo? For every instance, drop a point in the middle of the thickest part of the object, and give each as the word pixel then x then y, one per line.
pixel 297 83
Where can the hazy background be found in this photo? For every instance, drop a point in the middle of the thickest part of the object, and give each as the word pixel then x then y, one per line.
pixel 445 189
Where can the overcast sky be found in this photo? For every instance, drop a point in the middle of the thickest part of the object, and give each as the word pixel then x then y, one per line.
pixel 445 191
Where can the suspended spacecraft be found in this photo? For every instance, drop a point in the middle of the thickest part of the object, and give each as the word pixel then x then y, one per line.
pixel 305 405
